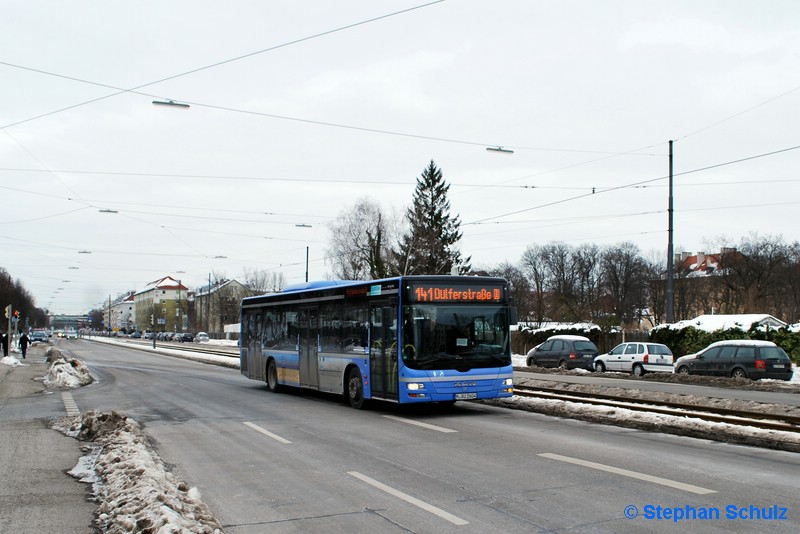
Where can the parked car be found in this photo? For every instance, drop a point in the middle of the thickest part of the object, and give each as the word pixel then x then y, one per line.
pixel 636 357
pixel 183 336
pixel 738 358
pixel 201 337
pixel 136 335
pixel 565 351
pixel 38 335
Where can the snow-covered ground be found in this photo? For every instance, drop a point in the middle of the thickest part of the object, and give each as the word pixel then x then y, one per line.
pixel 136 492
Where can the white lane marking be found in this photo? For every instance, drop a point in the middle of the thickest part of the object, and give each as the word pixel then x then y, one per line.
pixel 409 499
pixel 418 423
pixel 632 474
pixel 69 404
pixel 266 432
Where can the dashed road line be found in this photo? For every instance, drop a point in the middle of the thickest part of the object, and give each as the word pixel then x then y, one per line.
pixel 632 474
pixel 266 432
pixel 410 500
pixel 418 423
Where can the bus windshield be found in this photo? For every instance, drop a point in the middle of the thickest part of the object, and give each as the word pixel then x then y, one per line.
pixel 455 336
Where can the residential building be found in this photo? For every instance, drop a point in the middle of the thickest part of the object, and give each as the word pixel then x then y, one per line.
pixel 120 314
pixel 162 305
pixel 216 305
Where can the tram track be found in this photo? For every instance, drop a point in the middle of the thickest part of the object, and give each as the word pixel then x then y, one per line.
pixel 741 418
pixel 232 352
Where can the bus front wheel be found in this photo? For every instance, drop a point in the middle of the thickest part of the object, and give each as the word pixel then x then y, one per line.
pixel 355 389
pixel 272 377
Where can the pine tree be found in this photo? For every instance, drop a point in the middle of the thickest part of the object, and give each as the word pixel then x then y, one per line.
pixel 429 246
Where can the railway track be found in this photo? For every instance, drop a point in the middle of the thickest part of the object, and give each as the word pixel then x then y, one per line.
pixel 200 348
pixel 762 420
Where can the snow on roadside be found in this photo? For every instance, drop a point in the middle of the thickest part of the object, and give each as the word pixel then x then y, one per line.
pixel 135 491
pixel 10 361
pixel 669 424
pixel 66 372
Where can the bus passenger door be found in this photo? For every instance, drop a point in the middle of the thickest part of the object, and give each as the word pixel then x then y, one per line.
pixel 383 351
pixel 308 324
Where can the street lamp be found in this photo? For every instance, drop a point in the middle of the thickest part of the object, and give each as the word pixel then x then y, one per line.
pixel 170 103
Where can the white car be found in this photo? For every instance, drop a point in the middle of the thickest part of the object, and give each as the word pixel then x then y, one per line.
pixel 636 357
pixel 201 337
pixel 71 334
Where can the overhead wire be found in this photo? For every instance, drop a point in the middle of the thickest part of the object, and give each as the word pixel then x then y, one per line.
pixel 120 91
pixel 630 185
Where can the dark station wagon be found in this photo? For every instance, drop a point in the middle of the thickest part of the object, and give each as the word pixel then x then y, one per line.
pixel 565 351
pixel 744 358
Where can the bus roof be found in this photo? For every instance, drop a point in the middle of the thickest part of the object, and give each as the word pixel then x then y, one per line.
pixel 319 284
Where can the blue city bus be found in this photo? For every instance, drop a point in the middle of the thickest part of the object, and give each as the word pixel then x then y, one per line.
pixel 408 339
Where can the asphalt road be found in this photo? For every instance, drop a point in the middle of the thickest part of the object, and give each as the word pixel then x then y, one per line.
pixel 301 462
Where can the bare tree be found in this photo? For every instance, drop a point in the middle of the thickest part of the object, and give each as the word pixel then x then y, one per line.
pixel 557 258
pixel 519 289
pixel 260 282
pixel 625 279
pixel 586 290
pixel 790 292
pixel 533 265
pixel 360 242
pixel 751 270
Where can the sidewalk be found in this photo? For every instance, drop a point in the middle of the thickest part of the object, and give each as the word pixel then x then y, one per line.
pixel 36 493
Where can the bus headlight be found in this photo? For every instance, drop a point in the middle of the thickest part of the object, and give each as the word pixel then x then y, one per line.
pixel 413 386
pixel 508 382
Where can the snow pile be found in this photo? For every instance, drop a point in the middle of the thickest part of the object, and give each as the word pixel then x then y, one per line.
pixel 10 361
pixel 669 424
pixel 135 491
pixel 66 372
pixel 551 326
pixel 713 323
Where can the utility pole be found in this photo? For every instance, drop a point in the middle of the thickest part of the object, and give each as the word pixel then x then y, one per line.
pixel 670 247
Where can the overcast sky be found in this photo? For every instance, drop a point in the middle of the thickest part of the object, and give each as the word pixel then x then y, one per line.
pixel 298 109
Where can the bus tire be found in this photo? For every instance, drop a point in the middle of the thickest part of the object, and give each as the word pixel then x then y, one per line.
pixel 355 388
pixel 272 377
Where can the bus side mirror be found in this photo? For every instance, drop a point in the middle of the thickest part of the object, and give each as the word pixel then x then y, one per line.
pixel 513 317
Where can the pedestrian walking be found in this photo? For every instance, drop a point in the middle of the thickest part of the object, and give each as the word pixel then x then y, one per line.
pixel 4 341
pixel 24 341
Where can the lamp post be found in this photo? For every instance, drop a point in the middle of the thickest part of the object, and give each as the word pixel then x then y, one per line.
pixel 304 225
pixel 670 248
pixel 180 317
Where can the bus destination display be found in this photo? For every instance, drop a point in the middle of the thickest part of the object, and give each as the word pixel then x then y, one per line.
pixel 455 293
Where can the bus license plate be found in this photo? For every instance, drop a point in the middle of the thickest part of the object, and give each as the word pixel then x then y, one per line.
pixel 466 396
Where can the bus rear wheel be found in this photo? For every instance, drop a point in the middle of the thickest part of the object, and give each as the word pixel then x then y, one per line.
pixel 355 389
pixel 272 377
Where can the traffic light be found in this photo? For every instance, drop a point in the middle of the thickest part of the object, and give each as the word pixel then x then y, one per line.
pixel 8 311
pixel 152 320
pixel 16 314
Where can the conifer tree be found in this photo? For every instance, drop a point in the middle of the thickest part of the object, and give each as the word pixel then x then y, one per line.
pixel 429 247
